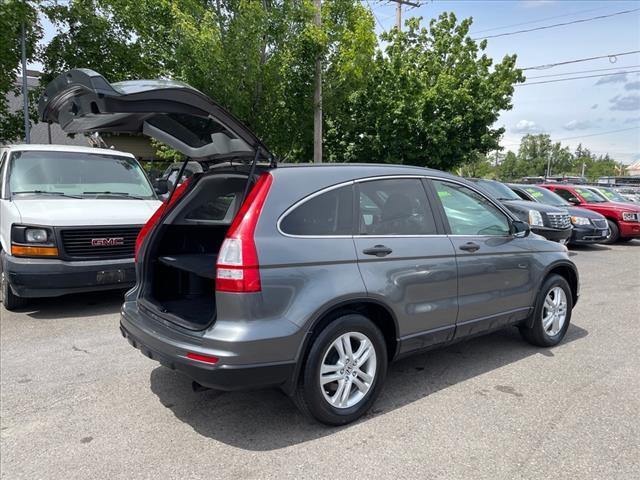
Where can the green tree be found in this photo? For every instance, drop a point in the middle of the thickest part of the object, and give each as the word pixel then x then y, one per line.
pixel 430 99
pixel 14 14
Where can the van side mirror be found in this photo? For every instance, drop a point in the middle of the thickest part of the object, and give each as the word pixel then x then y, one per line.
pixel 573 200
pixel 520 229
pixel 161 186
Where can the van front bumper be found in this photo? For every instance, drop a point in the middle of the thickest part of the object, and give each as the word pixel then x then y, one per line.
pixel 45 277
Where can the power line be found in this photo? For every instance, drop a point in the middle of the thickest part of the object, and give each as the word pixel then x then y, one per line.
pixel 576 78
pixel 539 20
pixel 583 136
pixel 612 58
pixel 564 24
pixel 582 71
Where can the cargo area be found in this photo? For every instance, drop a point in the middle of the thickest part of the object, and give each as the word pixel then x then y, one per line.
pixel 181 258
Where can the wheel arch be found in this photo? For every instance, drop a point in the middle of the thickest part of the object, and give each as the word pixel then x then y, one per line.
pixel 566 270
pixel 379 313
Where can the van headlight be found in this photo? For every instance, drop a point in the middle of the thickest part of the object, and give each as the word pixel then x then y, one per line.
pixel 580 221
pixel 535 218
pixel 36 235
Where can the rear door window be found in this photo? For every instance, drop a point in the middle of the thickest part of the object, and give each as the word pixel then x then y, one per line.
pixel 329 213
pixel 395 207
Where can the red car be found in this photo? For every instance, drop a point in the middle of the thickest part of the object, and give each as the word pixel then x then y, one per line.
pixel 623 218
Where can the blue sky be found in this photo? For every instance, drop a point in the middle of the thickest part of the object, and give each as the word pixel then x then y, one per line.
pixel 586 108
pixel 590 111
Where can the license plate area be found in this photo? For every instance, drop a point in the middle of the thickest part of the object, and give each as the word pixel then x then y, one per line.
pixel 104 277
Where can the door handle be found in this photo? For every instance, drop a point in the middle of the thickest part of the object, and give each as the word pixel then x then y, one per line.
pixel 378 251
pixel 470 247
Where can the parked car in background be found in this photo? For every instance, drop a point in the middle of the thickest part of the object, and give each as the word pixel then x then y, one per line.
pixel 623 218
pixel 248 277
pixel 165 182
pixel 630 193
pixel 609 194
pixel 588 226
pixel 69 218
pixel 551 222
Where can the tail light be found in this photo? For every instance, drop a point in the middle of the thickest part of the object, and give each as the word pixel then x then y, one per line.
pixel 237 269
pixel 155 218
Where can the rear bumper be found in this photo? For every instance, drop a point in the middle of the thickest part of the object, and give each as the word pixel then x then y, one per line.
pixel 629 229
pixel 553 234
pixel 36 277
pixel 169 346
pixel 586 234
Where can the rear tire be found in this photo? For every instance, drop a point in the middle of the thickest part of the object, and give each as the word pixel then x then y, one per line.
pixel 552 313
pixel 614 232
pixel 9 299
pixel 344 371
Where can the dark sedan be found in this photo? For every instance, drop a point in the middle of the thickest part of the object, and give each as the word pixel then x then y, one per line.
pixel 588 226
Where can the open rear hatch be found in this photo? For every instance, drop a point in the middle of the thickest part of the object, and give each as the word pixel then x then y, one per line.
pixel 177 270
pixel 83 101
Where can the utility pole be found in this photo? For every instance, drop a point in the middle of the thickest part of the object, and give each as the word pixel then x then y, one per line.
pixel 399 4
pixel 25 88
pixel 317 94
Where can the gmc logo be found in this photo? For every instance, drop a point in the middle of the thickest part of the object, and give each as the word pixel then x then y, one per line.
pixel 107 242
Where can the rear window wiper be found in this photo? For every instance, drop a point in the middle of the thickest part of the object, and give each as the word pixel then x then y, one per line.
pixel 115 194
pixel 46 192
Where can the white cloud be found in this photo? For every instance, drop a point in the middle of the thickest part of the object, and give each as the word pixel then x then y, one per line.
pixel 578 125
pixel 594 106
pixel 536 3
pixel 619 77
pixel 632 120
pixel 628 103
pixel 526 126
pixel 633 85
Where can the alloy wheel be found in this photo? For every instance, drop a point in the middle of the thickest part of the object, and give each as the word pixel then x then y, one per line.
pixel 554 311
pixel 348 370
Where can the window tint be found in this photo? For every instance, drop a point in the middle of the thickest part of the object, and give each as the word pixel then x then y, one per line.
pixel 395 207
pixel 469 213
pixel 2 163
pixel 330 213
pixel 566 194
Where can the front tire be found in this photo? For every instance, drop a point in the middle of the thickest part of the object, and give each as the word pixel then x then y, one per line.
pixel 614 232
pixel 552 313
pixel 344 371
pixel 9 299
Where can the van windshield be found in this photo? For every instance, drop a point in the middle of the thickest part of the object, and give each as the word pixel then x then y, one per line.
pixel 77 174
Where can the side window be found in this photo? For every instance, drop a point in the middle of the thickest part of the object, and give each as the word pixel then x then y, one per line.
pixel 330 213
pixel 395 207
pixel 469 213
pixel 566 194
pixel 3 161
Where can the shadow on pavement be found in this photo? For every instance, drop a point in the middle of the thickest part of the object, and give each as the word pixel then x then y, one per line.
pixel 75 305
pixel 267 419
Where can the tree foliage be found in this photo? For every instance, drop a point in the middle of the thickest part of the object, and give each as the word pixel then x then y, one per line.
pixel 14 14
pixel 430 97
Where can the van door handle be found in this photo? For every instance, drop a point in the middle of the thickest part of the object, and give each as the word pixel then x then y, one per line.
pixel 470 247
pixel 378 251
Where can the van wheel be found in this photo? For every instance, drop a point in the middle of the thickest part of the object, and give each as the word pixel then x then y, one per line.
pixel 552 313
pixel 344 371
pixel 614 232
pixel 9 299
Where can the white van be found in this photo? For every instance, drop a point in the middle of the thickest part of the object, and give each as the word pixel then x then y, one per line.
pixel 69 218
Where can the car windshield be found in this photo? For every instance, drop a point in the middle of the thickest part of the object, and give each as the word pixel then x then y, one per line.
pixel 497 190
pixel 543 195
pixel 77 175
pixel 590 196
pixel 611 194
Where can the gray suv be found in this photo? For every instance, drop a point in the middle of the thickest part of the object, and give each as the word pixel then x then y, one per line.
pixel 311 278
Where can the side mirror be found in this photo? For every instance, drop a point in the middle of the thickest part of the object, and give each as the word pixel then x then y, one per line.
pixel 520 229
pixel 574 200
pixel 161 186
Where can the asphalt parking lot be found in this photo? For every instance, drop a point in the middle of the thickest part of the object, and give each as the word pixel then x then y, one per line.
pixel 78 402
